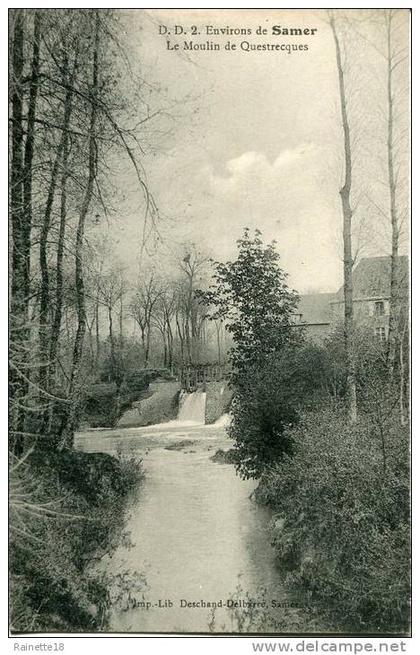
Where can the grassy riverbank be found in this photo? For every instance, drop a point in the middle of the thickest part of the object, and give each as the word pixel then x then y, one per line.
pixel 67 511
pixel 341 530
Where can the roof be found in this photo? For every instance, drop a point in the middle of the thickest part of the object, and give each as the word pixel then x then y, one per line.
pixel 372 278
pixel 315 308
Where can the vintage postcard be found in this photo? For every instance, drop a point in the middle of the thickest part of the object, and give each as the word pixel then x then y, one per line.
pixel 210 322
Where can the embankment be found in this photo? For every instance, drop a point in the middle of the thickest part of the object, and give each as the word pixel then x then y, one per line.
pixel 341 526
pixel 161 405
pixel 218 399
pixel 105 404
pixel 67 509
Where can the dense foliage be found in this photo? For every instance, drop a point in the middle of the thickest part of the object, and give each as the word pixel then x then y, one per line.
pixel 70 117
pixel 339 491
pixel 341 525
pixel 67 510
pixel 270 400
pixel 251 296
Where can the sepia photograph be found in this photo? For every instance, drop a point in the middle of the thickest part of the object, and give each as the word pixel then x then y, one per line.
pixel 209 322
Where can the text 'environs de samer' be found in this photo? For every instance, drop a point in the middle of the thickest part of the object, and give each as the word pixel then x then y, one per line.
pixel 210 30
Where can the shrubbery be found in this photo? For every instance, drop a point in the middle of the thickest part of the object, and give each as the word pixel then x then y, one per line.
pixel 250 295
pixel 340 492
pixel 269 401
pixel 341 525
pixel 67 509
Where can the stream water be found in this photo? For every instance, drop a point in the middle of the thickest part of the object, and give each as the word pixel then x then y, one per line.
pixel 196 533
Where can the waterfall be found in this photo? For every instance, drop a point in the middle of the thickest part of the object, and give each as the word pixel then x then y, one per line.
pixel 192 407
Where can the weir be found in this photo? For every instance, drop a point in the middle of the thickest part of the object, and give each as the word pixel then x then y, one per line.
pixel 192 407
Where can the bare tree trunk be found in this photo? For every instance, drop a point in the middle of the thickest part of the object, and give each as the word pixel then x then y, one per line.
pixel 345 192
pixel 393 303
pixel 170 343
pixel 165 348
pixel 147 346
pixel 28 170
pixel 19 296
pixel 111 336
pixel 97 339
pixel 43 263
pixel 58 309
pixel 121 323
pixel 219 354
pixel 91 348
pixel 189 319
pixel 29 147
pixel 188 338
pixel 181 338
pixel 80 289
pixel 403 415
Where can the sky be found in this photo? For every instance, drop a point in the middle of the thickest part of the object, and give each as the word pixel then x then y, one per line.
pixel 253 139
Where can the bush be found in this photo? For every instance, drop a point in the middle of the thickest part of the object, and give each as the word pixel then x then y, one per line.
pixel 67 510
pixel 101 405
pixel 370 359
pixel 341 524
pixel 269 400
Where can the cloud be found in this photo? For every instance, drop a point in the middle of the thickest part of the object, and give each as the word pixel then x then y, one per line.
pixel 284 198
pixel 268 193
pixel 254 167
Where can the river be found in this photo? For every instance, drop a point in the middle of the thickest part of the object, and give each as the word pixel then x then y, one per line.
pixel 196 535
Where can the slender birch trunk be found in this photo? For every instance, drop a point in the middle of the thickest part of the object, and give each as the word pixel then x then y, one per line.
pixel 121 317
pixel 345 192
pixel 97 337
pixel 392 185
pixel 402 382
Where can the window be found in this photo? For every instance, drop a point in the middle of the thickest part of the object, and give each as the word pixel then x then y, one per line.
pixel 297 318
pixel 380 333
pixel 379 308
